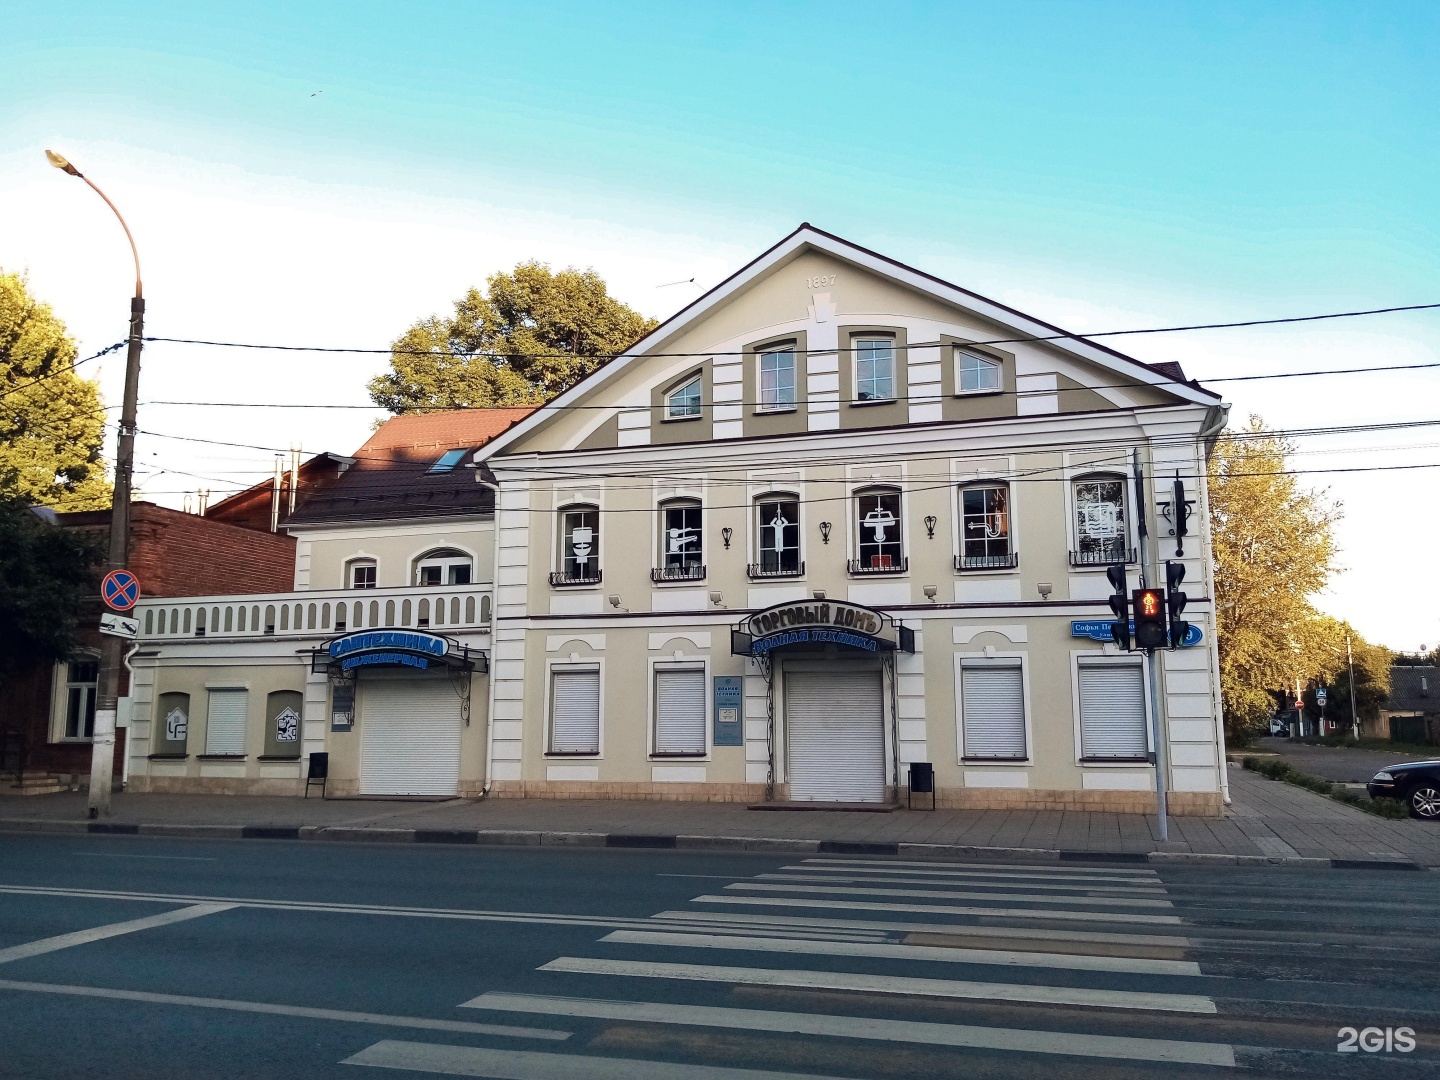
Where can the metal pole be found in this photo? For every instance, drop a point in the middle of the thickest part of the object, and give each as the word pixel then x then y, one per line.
pixel 1149 559
pixel 1354 704
pixel 107 693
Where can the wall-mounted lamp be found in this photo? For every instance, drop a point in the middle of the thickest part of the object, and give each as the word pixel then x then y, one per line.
pixel 614 599
pixel 931 591
pixel 717 597
pixel 825 531
pixel 1045 590
pixel 930 520
pixel 818 594
pixel 725 534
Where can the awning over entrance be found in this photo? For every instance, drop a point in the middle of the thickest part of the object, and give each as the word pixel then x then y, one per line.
pixel 808 623
pixel 395 648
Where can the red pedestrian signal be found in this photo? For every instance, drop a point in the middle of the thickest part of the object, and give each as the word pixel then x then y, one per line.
pixel 1151 631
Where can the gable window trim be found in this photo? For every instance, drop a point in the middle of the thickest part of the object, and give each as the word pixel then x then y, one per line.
pixel 968 562
pixel 859 353
pixel 555 671
pixel 1081 659
pixel 968 359
pixel 788 346
pixel 693 406
pixel 992 659
pixel 1120 549
pixel 679 664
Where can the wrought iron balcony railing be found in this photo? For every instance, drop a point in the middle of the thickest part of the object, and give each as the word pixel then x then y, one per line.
pixel 760 570
pixel 888 566
pixel 695 572
pixel 1102 556
pixel 562 578
pixel 987 562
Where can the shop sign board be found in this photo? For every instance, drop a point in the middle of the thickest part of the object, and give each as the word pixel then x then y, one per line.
pixel 388 647
pixel 729 692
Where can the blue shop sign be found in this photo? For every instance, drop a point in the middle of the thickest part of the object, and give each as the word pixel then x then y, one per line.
pixel 1099 630
pixel 386 642
pixel 729 710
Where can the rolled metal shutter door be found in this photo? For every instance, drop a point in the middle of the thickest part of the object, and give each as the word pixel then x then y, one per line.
pixel 225 722
pixel 409 737
pixel 680 711
pixel 1112 712
pixel 836 736
pixel 994 711
pixel 575 713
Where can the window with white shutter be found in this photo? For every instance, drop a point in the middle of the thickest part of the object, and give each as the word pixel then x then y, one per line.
pixel 1112 713
pixel 575 711
pixel 992 701
pixel 225 722
pixel 680 711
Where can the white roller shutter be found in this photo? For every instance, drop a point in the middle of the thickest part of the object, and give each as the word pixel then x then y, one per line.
pixel 836 736
pixel 575 712
pixel 225 722
pixel 1112 712
pixel 993 700
pixel 680 711
pixel 409 737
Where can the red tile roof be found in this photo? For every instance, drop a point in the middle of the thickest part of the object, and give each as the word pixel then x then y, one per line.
pixel 421 432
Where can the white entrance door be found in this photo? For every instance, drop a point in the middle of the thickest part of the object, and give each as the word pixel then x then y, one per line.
pixel 409 737
pixel 836 742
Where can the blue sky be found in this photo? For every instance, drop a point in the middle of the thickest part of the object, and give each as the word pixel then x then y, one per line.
pixel 1098 164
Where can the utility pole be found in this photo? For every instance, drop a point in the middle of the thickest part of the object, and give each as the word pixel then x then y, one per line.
pixel 102 750
pixel 1354 705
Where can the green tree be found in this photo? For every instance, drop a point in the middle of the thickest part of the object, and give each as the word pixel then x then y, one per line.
pixel 1274 549
pixel 52 430
pixel 531 336
pixel 46 574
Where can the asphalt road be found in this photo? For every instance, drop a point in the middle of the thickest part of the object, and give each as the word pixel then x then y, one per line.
pixel 130 957
pixel 1339 763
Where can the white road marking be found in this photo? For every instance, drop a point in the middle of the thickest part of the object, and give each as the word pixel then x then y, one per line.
pixel 268 1009
pixel 936 894
pixel 860 1027
pixel 530 1065
pixel 887 984
pixel 1047 868
pixel 1088 888
pixel 779 922
pixel 943 909
pixel 100 933
pixel 1032 875
pixel 941 954
pixel 712 877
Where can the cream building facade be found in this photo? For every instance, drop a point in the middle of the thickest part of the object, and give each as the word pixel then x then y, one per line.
pixel 835 518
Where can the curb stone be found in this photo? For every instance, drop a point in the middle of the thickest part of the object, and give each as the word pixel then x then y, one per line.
pixel 649 841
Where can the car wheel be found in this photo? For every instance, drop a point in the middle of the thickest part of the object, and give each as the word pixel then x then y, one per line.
pixel 1424 801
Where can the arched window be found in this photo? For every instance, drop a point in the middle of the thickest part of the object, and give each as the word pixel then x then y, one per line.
pixel 447 566
pixel 985 540
pixel 977 374
pixel 682 547
pixel 777 536
pixel 1101 533
pixel 360 574
pixel 878 524
pixel 684 401
pixel 579 553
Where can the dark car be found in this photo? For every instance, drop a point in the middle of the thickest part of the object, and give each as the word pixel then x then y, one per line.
pixel 1416 782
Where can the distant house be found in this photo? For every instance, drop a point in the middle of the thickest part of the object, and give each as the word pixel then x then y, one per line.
pixel 1413 711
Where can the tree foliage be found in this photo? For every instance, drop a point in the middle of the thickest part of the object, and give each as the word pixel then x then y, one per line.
pixel 532 335
pixel 52 430
pixel 1274 549
pixel 1332 670
pixel 46 574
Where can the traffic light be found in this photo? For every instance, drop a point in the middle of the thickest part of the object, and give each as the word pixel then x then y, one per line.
pixel 1120 605
pixel 1174 575
pixel 1150 630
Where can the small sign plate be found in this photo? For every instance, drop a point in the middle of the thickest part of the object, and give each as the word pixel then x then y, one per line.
pixel 119 626
pixel 120 590
pixel 729 710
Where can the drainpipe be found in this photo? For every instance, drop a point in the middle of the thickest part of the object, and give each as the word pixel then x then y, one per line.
pixel 1216 420
pixel 130 727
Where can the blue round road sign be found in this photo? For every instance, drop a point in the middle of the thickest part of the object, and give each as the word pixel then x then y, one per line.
pixel 120 590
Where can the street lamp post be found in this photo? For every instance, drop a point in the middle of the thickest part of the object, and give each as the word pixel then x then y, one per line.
pixel 102 755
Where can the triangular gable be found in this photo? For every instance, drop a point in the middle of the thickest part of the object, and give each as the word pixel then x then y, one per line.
pixel 1162 377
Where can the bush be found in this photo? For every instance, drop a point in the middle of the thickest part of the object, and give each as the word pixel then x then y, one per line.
pixel 1275 769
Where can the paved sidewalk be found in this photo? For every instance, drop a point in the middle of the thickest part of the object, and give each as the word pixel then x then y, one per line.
pixel 1268 821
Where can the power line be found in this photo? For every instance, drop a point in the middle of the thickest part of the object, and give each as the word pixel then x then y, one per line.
pixel 501 355
pixel 64 369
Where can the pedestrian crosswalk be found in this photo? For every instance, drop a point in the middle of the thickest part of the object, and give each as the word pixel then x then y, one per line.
pixel 850 967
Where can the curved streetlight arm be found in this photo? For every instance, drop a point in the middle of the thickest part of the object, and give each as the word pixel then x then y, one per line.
pixel 65 166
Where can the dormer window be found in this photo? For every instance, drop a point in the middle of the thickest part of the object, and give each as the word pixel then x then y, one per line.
pixel 444 567
pixel 684 402
pixel 978 374
pixel 447 461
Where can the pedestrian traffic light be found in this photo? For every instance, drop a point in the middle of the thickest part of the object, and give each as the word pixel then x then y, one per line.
pixel 1150 630
pixel 1120 605
pixel 1176 600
